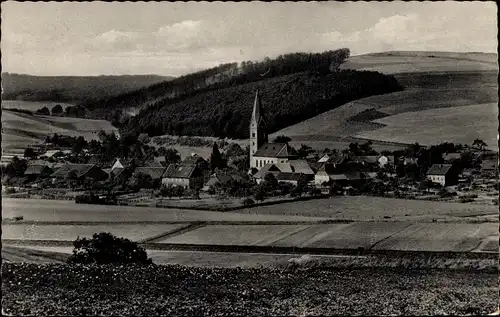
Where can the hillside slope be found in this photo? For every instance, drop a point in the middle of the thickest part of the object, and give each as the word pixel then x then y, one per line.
pixel 21 130
pixel 444 83
pixel 287 100
pixel 71 88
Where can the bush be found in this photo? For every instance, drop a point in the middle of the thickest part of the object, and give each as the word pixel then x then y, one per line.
pixel 105 248
pixel 248 201
pixel 10 190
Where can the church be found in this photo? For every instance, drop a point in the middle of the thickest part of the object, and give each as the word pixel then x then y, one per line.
pixel 261 151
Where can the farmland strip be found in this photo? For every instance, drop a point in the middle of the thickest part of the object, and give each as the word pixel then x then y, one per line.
pixel 182 230
pixel 390 236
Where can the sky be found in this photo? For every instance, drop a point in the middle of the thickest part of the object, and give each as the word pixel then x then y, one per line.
pixel 167 38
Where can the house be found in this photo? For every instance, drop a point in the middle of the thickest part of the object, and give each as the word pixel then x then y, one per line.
pixel 386 160
pixel 155 173
pixel 298 167
pixel 197 160
pixel 261 151
pixel 35 171
pixel 188 176
pixel 443 174
pixel 451 157
pixel 82 171
pixel 343 174
pixel 293 178
pixel 221 178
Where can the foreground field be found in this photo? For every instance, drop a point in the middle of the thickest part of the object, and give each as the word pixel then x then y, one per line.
pixel 440 122
pixel 32 289
pixel 397 236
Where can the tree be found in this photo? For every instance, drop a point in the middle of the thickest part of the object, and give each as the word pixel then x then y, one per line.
pixel 29 153
pixel 44 111
pixel 143 138
pixel 57 110
pixel 282 139
pixel 171 154
pixel 101 135
pixel 142 180
pixel 270 182
pixel 179 191
pixel 216 160
pixel 79 145
pixel 105 248
pixel 304 151
pixel 479 144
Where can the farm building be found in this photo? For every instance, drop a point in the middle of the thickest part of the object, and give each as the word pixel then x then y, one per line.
pixel 82 171
pixel 188 176
pixel 220 178
pixel 154 172
pixel 35 171
pixel 298 167
pixel 293 178
pixel 344 174
pixel 197 160
pixel 443 174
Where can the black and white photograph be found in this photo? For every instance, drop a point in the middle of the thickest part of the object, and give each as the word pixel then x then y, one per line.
pixel 252 158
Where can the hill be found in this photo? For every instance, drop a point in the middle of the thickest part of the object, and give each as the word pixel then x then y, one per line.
pixel 429 87
pixel 71 88
pixel 20 130
pixel 287 100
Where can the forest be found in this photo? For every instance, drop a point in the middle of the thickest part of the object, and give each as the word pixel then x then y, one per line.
pixel 286 100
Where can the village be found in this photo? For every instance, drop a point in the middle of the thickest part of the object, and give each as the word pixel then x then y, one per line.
pixel 128 171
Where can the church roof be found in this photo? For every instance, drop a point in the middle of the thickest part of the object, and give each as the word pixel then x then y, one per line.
pixel 275 150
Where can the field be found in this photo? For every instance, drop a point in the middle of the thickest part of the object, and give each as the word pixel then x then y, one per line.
pixel 59 211
pixel 444 81
pixel 406 236
pixel 440 237
pixel 480 122
pixel 71 232
pixel 20 130
pixel 173 290
pixel 31 105
pixel 414 61
pixel 365 208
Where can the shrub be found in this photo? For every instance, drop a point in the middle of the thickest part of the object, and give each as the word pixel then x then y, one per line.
pixel 105 248
pixel 248 201
pixel 10 190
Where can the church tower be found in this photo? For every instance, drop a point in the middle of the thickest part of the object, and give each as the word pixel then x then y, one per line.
pixel 258 133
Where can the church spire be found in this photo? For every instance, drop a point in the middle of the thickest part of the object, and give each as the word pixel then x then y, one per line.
pixel 257 108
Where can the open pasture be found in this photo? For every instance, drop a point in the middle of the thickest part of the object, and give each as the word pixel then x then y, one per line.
pixel 405 62
pixel 63 210
pixel 133 232
pixel 372 208
pixel 461 237
pixel 472 122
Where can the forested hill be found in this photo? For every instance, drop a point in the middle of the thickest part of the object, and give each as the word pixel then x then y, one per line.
pixel 72 88
pixel 287 99
pixel 219 77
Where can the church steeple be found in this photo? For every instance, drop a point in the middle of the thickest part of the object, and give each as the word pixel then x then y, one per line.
pixel 258 133
pixel 257 110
